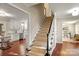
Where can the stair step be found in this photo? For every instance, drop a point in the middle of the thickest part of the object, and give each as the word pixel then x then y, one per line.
pixel 45 29
pixel 35 54
pixel 45 32
pixel 45 47
pixel 44 26
pixel 41 36
pixel 39 43
pixel 41 33
pixel 41 39
pixel 47 23
pixel 37 51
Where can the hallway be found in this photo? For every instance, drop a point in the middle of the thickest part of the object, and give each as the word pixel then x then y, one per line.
pixel 67 48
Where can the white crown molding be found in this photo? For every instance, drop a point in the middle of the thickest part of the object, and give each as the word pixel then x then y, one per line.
pixel 19 8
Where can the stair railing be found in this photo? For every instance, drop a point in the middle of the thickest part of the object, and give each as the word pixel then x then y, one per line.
pixel 47 51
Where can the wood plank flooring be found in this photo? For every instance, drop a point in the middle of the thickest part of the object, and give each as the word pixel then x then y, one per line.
pixel 67 49
pixel 70 48
pixel 17 49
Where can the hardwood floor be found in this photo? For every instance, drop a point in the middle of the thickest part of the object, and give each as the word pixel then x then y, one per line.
pixel 67 49
pixel 70 48
pixel 17 49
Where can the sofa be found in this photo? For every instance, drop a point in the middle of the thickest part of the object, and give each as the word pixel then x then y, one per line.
pixel 76 37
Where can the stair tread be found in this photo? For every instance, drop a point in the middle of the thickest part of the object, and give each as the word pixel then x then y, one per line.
pixel 41 38
pixel 39 45
pixel 35 54
pixel 38 50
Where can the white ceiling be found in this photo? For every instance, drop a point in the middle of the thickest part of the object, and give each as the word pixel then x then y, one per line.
pixel 17 14
pixel 24 5
pixel 27 4
pixel 61 10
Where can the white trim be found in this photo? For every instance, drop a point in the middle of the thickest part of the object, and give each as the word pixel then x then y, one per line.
pixel 18 8
pixel 29 25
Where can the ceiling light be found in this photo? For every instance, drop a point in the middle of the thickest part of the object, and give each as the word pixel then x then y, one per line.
pixel 3 13
pixel 22 24
pixel 74 11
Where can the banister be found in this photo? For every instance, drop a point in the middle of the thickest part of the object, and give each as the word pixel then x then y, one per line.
pixel 47 53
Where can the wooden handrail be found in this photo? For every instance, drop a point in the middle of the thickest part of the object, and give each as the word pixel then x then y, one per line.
pixel 48 54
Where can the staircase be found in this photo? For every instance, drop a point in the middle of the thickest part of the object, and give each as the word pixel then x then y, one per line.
pixel 40 42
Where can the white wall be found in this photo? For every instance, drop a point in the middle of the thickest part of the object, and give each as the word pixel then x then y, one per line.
pixel 14 28
pixel 12 25
pixel 77 28
pixel 58 30
pixel 6 27
pixel 71 28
